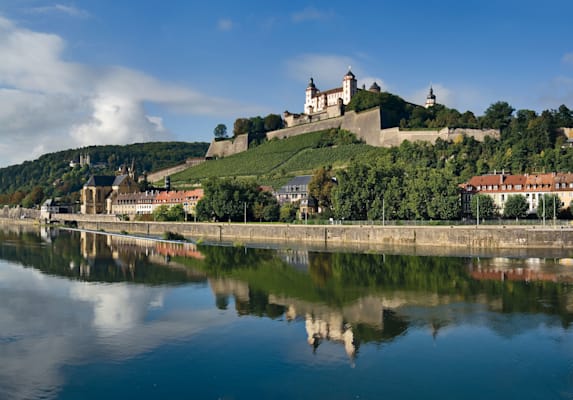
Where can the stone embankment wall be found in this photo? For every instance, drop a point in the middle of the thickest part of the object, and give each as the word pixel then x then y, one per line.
pixel 486 237
pixel 225 148
pixel 19 213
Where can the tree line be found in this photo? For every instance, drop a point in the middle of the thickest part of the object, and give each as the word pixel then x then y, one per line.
pixel 29 183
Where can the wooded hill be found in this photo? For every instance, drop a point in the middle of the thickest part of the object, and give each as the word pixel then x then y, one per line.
pixel 51 174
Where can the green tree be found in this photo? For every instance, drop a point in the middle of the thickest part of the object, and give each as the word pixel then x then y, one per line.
pixel 273 122
pixel 176 213
pixel 241 126
pixel 33 198
pixel 233 199
pixel 161 213
pixel 288 212
pixel 220 131
pixel 485 204
pixel 320 188
pixel 497 116
pixel 515 206
pixel 548 206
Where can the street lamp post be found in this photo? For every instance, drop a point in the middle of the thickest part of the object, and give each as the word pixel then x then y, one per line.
pixel 543 198
pixel 477 201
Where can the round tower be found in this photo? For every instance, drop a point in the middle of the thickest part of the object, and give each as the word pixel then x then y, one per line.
pixel 311 92
pixel 430 98
pixel 349 86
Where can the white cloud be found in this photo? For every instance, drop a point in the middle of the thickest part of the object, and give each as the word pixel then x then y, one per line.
pixel 225 24
pixel 568 58
pixel 557 92
pixel 63 9
pixel 310 14
pixel 49 104
pixel 327 69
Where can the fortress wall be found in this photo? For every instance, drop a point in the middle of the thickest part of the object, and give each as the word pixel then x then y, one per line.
pixel 305 128
pixel 224 148
pixel 161 174
pixel 478 134
pixel 366 125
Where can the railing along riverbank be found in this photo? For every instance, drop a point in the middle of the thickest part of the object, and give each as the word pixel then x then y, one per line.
pixel 481 236
pixel 465 236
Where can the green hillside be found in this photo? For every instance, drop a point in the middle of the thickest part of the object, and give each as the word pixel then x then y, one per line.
pixel 51 174
pixel 275 161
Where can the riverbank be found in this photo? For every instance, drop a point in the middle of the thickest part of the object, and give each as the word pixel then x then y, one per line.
pixel 462 237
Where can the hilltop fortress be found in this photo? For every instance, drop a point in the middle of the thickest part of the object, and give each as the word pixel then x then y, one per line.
pixel 326 110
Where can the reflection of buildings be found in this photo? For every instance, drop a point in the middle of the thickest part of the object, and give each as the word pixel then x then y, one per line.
pixel 126 252
pixel 502 269
pixel 299 259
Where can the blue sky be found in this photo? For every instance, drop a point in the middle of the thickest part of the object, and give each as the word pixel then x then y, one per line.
pixel 112 72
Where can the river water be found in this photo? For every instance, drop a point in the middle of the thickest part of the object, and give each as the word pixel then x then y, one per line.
pixel 92 316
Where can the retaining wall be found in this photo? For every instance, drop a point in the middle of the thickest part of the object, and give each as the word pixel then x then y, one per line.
pixel 224 148
pixel 486 237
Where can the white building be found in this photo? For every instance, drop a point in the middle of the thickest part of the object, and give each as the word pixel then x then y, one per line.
pixel 317 100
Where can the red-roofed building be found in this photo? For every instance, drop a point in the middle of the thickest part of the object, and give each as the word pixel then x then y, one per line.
pixel 531 186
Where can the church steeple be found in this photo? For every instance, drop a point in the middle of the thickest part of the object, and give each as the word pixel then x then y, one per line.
pixel 430 98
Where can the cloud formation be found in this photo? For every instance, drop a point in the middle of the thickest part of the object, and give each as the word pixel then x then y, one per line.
pixel 310 14
pixel 49 104
pixel 568 59
pixel 328 69
pixel 225 24
pixel 62 9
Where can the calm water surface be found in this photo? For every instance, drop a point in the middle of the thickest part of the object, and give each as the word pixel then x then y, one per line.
pixel 85 316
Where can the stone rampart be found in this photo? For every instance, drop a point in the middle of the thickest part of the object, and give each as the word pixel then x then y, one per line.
pixel 371 236
pixel 161 174
pixel 225 148
pixel 365 125
pixel 305 128
pixel 19 213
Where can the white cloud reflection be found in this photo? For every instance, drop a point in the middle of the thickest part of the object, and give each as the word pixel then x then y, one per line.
pixel 48 322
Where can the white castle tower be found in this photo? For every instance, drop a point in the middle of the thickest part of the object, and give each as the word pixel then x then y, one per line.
pixel 316 100
pixel 311 92
pixel 430 98
pixel 349 86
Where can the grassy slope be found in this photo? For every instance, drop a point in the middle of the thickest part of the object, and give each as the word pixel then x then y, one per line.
pixel 274 162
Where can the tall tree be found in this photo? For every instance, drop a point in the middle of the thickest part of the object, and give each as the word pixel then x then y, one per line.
pixel 220 131
pixel 497 116
pixel 548 206
pixel 241 126
pixel 273 122
pixel 515 207
pixel 483 205
pixel 320 188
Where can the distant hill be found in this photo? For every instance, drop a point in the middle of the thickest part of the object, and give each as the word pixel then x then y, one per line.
pixel 53 174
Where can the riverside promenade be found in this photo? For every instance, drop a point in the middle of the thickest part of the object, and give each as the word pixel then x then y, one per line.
pixel 489 237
